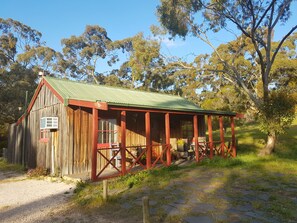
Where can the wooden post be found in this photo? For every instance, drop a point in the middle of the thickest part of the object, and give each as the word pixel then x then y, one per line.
pixel 210 136
pixel 105 190
pixel 195 123
pixel 167 133
pixel 123 142
pixel 145 209
pixel 94 144
pixel 148 140
pixel 222 136
pixel 233 136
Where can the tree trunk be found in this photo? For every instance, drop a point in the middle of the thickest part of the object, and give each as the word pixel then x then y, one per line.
pixel 270 144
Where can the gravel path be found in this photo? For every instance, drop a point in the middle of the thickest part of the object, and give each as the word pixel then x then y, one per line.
pixel 29 200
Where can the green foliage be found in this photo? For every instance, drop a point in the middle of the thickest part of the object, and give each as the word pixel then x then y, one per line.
pixel 141 58
pixel 14 83
pixel 80 186
pixel 21 57
pixel 135 179
pixel 221 162
pixel 5 166
pixel 224 98
pixel 82 53
pixel 175 15
pixel 12 33
pixel 146 65
pixel 88 195
pixel 252 62
pixel 267 184
pixel 278 113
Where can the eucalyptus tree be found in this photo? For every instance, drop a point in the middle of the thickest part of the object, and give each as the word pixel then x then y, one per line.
pixel 145 64
pixel 255 21
pixel 82 53
pixel 16 38
pixel 16 76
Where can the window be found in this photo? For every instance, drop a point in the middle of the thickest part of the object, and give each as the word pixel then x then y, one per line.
pixel 44 135
pixel 186 129
pixel 107 132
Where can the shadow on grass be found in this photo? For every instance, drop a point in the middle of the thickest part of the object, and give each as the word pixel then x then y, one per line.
pixel 209 192
pixel 247 188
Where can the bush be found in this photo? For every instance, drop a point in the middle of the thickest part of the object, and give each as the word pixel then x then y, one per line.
pixel 37 172
pixel 80 186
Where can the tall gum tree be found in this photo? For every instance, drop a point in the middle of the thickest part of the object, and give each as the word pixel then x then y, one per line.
pixel 16 77
pixel 256 21
pixel 81 53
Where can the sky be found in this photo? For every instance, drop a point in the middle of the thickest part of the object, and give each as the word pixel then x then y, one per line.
pixel 58 19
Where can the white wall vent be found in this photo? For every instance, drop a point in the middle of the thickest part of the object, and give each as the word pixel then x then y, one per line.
pixel 49 123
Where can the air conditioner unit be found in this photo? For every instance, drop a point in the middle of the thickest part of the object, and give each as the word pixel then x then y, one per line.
pixel 49 123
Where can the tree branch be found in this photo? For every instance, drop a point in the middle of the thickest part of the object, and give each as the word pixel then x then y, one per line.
pixel 281 11
pixel 252 12
pixel 264 14
pixel 281 43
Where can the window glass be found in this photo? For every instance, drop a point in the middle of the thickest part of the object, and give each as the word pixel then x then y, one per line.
pixel 107 131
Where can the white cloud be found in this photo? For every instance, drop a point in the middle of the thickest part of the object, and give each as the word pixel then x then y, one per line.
pixel 172 43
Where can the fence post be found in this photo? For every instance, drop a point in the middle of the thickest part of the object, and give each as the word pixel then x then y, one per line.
pixel 105 190
pixel 145 209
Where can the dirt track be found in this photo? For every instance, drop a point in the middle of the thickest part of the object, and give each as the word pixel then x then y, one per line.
pixel 28 200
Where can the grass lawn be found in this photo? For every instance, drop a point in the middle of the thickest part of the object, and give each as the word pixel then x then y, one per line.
pixel 247 188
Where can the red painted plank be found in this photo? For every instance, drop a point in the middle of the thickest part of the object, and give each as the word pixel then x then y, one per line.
pixel 123 142
pixel 222 135
pixel 233 136
pixel 160 111
pixel 94 145
pixel 210 135
pixel 102 106
pixel 167 134
pixel 195 123
pixel 239 115
pixel 148 140
pixel 87 104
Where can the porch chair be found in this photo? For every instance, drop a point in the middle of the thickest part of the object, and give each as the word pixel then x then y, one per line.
pixel 114 147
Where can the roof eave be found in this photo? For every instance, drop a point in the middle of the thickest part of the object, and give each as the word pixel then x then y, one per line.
pixel 164 109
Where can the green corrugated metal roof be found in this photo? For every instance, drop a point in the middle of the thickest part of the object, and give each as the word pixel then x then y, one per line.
pixel 123 97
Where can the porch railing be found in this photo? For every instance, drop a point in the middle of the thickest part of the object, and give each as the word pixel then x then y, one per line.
pixel 215 148
pixel 136 157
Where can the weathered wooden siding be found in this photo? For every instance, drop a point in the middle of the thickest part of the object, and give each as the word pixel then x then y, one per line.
pixel 71 142
pixel 136 127
pixel 135 132
pixel 15 143
pixel 80 124
pixel 39 153
pixel 36 153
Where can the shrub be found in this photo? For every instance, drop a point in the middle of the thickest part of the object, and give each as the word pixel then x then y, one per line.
pixel 37 172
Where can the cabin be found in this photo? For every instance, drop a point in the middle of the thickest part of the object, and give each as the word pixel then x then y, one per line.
pixel 74 128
